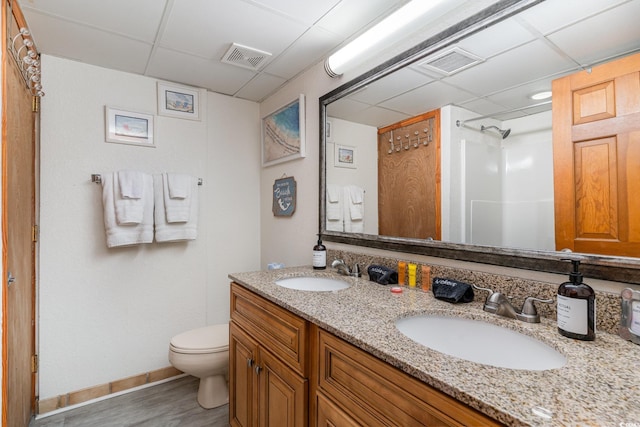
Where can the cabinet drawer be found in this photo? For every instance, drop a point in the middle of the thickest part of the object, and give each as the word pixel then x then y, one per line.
pixel 277 329
pixel 379 394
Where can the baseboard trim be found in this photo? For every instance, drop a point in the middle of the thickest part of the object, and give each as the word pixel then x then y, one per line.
pixel 75 399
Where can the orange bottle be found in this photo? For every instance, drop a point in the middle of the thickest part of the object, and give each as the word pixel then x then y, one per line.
pixel 402 272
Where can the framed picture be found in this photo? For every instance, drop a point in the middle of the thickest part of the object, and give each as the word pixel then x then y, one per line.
pixel 345 156
pixel 178 101
pixel 127 127
pixel 283 136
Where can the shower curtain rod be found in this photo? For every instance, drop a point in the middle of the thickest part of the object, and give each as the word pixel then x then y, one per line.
pixel 459 123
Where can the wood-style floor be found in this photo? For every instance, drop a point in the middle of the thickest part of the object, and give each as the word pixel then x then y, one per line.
pixel 166 405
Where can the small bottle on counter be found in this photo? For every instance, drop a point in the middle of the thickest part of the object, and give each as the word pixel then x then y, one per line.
pixel 319 255
pixel 412 275
pixel 576 307
pixel 426 278
pixel 402 273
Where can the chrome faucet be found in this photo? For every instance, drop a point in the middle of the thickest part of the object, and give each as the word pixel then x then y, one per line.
pixel 499 304
pixel 344 268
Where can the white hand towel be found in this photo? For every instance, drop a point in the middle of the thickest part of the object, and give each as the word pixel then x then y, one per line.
pixel 126 234
pixel 131 184
pixel 334 203
pixel 177 231
pixel 356 202
pixel 128 195
pixel 177 209
pixel 179 185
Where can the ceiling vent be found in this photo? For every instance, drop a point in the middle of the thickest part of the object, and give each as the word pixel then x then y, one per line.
pixel 451 61
pixel 245 57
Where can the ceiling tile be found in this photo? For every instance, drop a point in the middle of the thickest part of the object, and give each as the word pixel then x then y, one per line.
pixel 260 87
pixel 399 82
pixel 550 16
pixel 307 12
pixel 89 45
pixel 217 25
pixel 594 39
pixel 315 43
pixel 511 68
pixel 212 74
pixel 426 98
pixel 138 19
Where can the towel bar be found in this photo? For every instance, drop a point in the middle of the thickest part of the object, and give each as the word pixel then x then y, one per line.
pixel 97 178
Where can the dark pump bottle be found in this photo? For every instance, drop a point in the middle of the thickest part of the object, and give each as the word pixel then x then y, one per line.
pixel 319 255
pixel 576 307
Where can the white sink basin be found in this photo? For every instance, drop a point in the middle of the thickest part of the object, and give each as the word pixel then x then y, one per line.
pixel 481 342
pixel 315 284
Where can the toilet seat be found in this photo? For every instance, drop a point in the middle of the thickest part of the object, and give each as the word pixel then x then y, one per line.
pixel 209 339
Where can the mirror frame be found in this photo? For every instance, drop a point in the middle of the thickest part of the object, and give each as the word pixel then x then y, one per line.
pixel 621 269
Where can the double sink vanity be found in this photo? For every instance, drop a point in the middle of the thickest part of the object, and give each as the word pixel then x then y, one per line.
pixel 318 348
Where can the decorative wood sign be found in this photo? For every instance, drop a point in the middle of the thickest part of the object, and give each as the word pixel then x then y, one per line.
pixel 284 196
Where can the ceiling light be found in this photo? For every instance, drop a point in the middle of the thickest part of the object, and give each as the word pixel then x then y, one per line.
pixel 335 65
pixel 541 95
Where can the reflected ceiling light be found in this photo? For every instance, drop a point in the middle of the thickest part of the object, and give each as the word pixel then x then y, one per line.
pixel 335 65
pixel 541 95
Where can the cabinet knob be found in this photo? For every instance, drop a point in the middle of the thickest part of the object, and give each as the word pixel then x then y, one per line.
pixel 249 363
pixel 258 369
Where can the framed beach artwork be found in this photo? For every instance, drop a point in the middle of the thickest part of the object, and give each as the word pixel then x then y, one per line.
pixel 345 156
pixel 127 127
pixel 178 101
pixel 283 134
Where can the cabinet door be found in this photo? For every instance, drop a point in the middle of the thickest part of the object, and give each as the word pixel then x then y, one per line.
pixel 283 394
pixel 329 415
pixel 243 391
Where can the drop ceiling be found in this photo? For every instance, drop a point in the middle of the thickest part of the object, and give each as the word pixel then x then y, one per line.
pixel 184 41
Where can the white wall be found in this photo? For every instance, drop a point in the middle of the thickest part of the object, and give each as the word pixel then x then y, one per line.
pixel 364 139
pixel 106 314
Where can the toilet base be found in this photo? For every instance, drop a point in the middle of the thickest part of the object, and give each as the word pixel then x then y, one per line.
pixel 213 392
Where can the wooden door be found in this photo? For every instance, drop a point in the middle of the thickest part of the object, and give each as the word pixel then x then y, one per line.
pixel 283 394
pixel 409 178
pixel 596 144
pixel 243 393
pixel 18 220
pixel 329 415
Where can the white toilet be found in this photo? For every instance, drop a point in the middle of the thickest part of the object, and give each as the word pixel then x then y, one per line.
pixel 204 353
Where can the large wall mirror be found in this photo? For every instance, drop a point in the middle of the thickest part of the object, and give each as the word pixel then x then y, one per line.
pixel 465 95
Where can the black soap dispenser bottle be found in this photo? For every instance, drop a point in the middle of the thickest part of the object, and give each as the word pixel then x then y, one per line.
pixel 319 255
pixel 576 307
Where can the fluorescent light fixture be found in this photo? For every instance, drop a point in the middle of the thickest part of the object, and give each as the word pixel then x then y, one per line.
pixel 541 95
pixel 335 65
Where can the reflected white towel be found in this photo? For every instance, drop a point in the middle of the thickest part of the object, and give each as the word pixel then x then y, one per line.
pixel 129 201
pixel 126 234
pixel 177 231
pixel 178 208
pixel 333 193
pixel 355 200
pixel 334 203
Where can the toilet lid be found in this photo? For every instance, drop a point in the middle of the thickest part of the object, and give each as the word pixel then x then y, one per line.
pixel 208 339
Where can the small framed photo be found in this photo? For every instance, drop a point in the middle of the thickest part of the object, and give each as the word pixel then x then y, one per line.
pixel 127 127
pixel 345 156
pixel 283 133
pixel 178 101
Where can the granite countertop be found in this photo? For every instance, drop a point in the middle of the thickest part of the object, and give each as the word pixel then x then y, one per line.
pixel 599 385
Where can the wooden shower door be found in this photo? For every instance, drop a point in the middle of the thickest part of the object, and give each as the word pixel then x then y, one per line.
pixel 596 150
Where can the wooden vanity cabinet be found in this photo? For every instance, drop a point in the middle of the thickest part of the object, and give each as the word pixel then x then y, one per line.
pixel 285 371
pixel 268 366
pixel 353 388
